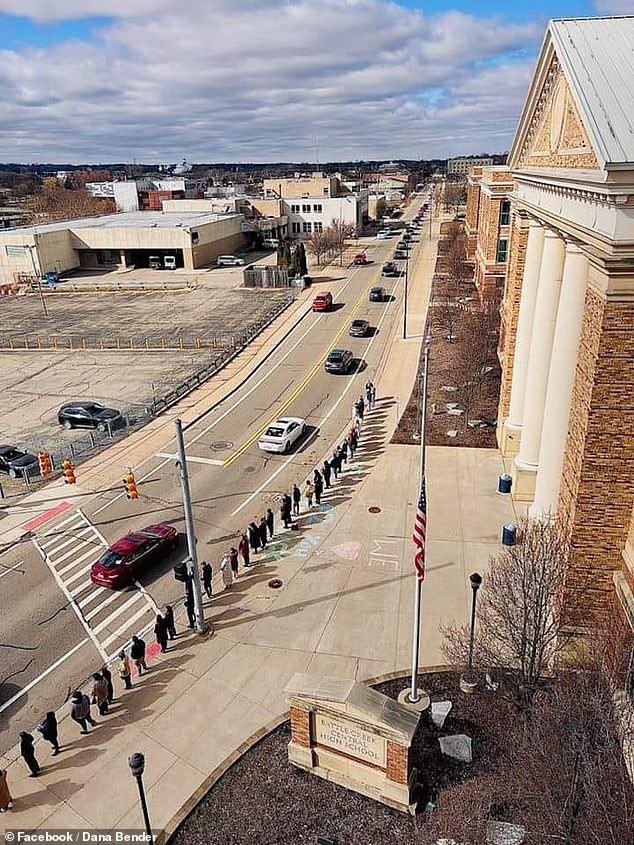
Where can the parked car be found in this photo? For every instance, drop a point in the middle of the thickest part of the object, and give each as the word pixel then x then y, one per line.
pixel 229 261
pixel 129 556
pixel 400 254
pixel 169 262
pixel 86 414
pixel 401 245
pixel 155 262
pixel 407 237
pixel 281 435
pixel 360 258
pixel 323 301
pixel 339 361
pixel 383 234
pixel 389 269
pixel 271 243
pixel 14 462
pixel 359 328
pixel 377 294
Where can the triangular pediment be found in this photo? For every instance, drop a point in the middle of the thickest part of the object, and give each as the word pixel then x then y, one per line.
pixel 556 136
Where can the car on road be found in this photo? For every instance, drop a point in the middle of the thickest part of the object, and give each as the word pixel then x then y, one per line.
pixel 389 269
pixel 87 414
pixel 229 261
pixel 407 237
pixel 400 254
pixel 129 556
pixel 360 258
pixel 14 462
pixel 377 294
pixel 359 328
pixel 322 301
pixel 281 435
pixel 401 245
pixel 339 361
pixel 383 234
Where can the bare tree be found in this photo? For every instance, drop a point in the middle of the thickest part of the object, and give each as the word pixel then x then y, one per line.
pixel 319 244
pixel 454 195
pixel 519 625
pixel 340 233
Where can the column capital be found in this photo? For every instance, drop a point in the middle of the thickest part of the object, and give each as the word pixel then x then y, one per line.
pixel 573 247
pixel 551 233
pixel 533 221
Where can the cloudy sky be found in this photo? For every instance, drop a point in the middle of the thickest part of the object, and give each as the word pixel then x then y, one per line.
pixel 267 80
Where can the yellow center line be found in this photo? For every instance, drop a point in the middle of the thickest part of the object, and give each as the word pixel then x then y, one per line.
pixel 304 383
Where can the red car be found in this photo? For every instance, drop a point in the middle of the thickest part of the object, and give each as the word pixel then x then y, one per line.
pixel 360 258
pixel 323 301
pixel 130 555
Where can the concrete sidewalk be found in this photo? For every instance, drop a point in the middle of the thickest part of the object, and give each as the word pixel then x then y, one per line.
pixel 345 609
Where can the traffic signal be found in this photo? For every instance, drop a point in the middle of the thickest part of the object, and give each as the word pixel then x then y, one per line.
pixel 68 471
pixel 129 483
pixel 181 573
pixel 46 466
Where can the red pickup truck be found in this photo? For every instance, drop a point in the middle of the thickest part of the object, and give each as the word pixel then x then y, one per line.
pixel 323 301
pixel 360 258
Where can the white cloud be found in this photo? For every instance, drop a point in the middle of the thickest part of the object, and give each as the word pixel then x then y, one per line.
pixel 615 7
pixel 249 80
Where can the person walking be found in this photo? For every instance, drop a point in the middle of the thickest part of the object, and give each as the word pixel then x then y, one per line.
pixel 80 711
pixel 6 801
pixel 207 575
pixel 100 693
pixel 189 607
pixel 309 491
pixel 264 530
pixel 160 632
pixel 124 669
pixel 27 752
pixel 369 393
pixel 225 571
pixel 107 676
pixel 354 438
pixel 318 484
pixel 243 548
pixel 335 463
pixel 360 407
pixel 254 537
pixel 48 729
pixel 343 452
pixel 270 522
pixel 285 510
pixel 326 471
pixel 349 450
pixel 233 560
pixel 168 616
pixel 373 397
pixel 137 653
pixel 297 497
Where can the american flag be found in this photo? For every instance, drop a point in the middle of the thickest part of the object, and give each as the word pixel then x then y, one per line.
pixel 420 532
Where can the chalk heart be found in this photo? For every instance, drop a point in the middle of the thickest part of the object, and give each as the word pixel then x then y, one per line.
pixel 347 551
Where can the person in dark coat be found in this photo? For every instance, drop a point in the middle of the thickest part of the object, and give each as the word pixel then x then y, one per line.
pixel 335 463
pixel 343 452
pixel 233 560
pixel 106 674
pixel 160 632
pixel 189 607
pixel 318 484
pixel 360 406
pixel 285 510
pixel 207 575
pixel 326 470
pixel 263 529
pixel 137 653
pixel 354 436
pixel 297 497
pixel 270 521
pixel 48 729
pixel 168 616
pixel 28 753
pixel 243 548
pixel 80 711
pixel 254 537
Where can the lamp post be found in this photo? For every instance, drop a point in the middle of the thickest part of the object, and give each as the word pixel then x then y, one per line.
pixel 468 682
pixel 405 303
pixel 137 766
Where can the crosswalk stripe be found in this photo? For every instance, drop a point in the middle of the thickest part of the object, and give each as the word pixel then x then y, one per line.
pixel 79 574
pixel 93 595
pixel 93 554
pixel 118 612
pixel 57 546
pixel 81 588
pixel 117 634
pixel 95 611
pixel 78 515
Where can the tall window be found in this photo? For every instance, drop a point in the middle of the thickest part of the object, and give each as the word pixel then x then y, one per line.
pixel 317 209
pixel 296 228
pixel 295 209
pixel 305 208
pixel 318 227
pixel 505 212
pixel 308 227
pixel 503 249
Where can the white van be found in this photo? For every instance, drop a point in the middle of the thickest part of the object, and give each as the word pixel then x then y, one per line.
pixel 169 262
pixel 271 243
pixel 229 261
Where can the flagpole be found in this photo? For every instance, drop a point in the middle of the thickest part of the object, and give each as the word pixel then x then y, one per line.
pixel 414 697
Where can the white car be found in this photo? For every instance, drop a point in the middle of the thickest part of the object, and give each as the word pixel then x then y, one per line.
pixel 229 261
pixel 383 235
pixel 282 434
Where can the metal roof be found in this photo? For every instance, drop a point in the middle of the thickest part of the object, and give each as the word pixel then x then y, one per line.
pixel 128 220
pixel 597 57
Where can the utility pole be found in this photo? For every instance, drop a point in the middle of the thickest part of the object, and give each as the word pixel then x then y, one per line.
pixel 201 626
pixel 405 303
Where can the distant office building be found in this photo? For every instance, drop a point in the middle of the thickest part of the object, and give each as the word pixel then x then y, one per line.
pixel 463 165
pixel 315 213
pixel 302 185
pixel 147 193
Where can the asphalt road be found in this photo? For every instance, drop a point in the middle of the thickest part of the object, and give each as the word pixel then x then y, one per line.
pixel 49 608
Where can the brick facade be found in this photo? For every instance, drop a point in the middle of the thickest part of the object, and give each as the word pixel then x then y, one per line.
pixel 300 726
pixel 472 211
pixel 597 489
pixel 495 187
pixel 510 308
pixel 397 768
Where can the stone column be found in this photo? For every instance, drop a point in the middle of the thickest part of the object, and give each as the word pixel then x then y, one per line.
pixel 525 463
pixel 561 379
pixel 511 432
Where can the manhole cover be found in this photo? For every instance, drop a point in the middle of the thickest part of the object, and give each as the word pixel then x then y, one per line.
pixel 221 445
pixel 374 509
pixel 275 583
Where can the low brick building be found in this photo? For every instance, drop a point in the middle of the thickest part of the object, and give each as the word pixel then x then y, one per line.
pixel 566 413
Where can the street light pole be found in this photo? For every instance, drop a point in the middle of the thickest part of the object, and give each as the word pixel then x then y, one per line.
pixel 137 766
pixel 201 626
pixel 405 304
pixel 476 581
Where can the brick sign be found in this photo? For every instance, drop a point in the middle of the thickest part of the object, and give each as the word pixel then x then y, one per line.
pixel 350 739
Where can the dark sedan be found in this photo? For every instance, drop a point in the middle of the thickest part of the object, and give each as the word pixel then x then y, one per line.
pixel 359 328
pixel 377 294
pixel 14 463
pixel 129 556
pixel 339 361
pixel 389 269
pixel 400 254
pixel 87 414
